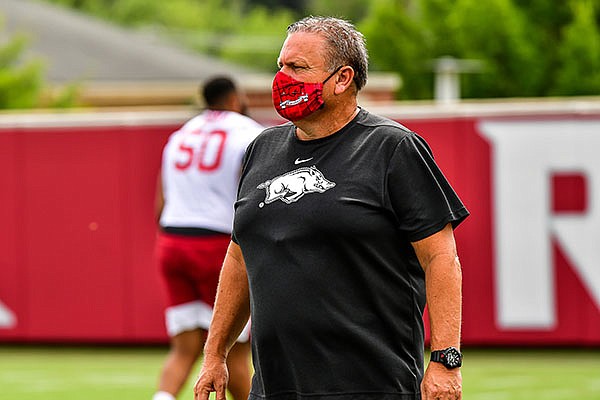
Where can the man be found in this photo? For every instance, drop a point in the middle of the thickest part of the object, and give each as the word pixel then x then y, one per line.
pixel 200 170
pixel 343 222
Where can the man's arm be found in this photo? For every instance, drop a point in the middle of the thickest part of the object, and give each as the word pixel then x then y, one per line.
pixel 443 280
pixel 230 315
pixel 159 199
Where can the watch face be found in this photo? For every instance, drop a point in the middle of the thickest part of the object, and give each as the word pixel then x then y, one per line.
pixel 452 357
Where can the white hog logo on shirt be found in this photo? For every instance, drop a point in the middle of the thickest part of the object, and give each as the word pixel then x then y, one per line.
pixel 291 186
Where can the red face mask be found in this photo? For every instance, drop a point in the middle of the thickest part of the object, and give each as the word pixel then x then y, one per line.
pixel 295 100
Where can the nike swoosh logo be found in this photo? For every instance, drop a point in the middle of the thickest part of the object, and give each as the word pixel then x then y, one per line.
pixel 300 161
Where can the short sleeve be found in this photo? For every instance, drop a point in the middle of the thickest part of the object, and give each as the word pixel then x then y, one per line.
pixel 245 162
pixel 418 193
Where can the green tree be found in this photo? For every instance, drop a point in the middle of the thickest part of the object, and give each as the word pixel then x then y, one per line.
pixel 518 42
pixel 352 10
pixel 20 83
pixel 496 32
pixel 527 47
pixel 258 40
pixel 579 53
pixel 435 20
pixel 297 6
pixel 549 19
pixel 397 42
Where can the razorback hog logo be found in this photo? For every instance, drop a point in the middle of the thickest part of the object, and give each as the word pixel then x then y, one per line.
pixel 291 186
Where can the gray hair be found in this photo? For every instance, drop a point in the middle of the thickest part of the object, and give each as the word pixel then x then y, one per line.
pixel 346 45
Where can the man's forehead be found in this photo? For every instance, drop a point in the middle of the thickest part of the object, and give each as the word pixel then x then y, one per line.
pixel 302 46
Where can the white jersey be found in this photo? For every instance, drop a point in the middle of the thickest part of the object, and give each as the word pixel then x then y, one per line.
pixel 201 166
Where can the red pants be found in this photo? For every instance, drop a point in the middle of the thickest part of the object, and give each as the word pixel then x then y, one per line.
pixel 190 266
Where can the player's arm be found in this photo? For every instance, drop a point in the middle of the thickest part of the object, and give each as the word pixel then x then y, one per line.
pixel 443 279
pixel 231 313
pixel 159 199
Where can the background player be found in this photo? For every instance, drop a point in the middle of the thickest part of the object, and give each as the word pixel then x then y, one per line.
pixel 196 189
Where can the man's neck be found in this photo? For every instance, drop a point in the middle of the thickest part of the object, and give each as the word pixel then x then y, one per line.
pixel 326 123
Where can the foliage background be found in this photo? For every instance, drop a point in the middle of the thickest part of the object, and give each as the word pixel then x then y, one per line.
pixel 525 48
pixel 20 82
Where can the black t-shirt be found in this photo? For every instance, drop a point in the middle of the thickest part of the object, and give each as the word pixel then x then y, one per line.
pixel 336 291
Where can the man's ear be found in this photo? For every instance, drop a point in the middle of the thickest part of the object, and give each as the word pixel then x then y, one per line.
pixel 344 79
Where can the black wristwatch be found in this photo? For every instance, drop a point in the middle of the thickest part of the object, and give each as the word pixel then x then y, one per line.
pixel 449 358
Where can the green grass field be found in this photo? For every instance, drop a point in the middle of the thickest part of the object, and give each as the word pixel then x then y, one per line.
pixel 114 373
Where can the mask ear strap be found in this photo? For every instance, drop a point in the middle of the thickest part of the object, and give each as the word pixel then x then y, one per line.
pixel 332 74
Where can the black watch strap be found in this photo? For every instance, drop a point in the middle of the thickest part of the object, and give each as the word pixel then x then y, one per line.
pixel 436 356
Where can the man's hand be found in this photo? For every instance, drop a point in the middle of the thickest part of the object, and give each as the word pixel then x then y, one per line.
pixel 213 377
pixel 440 383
